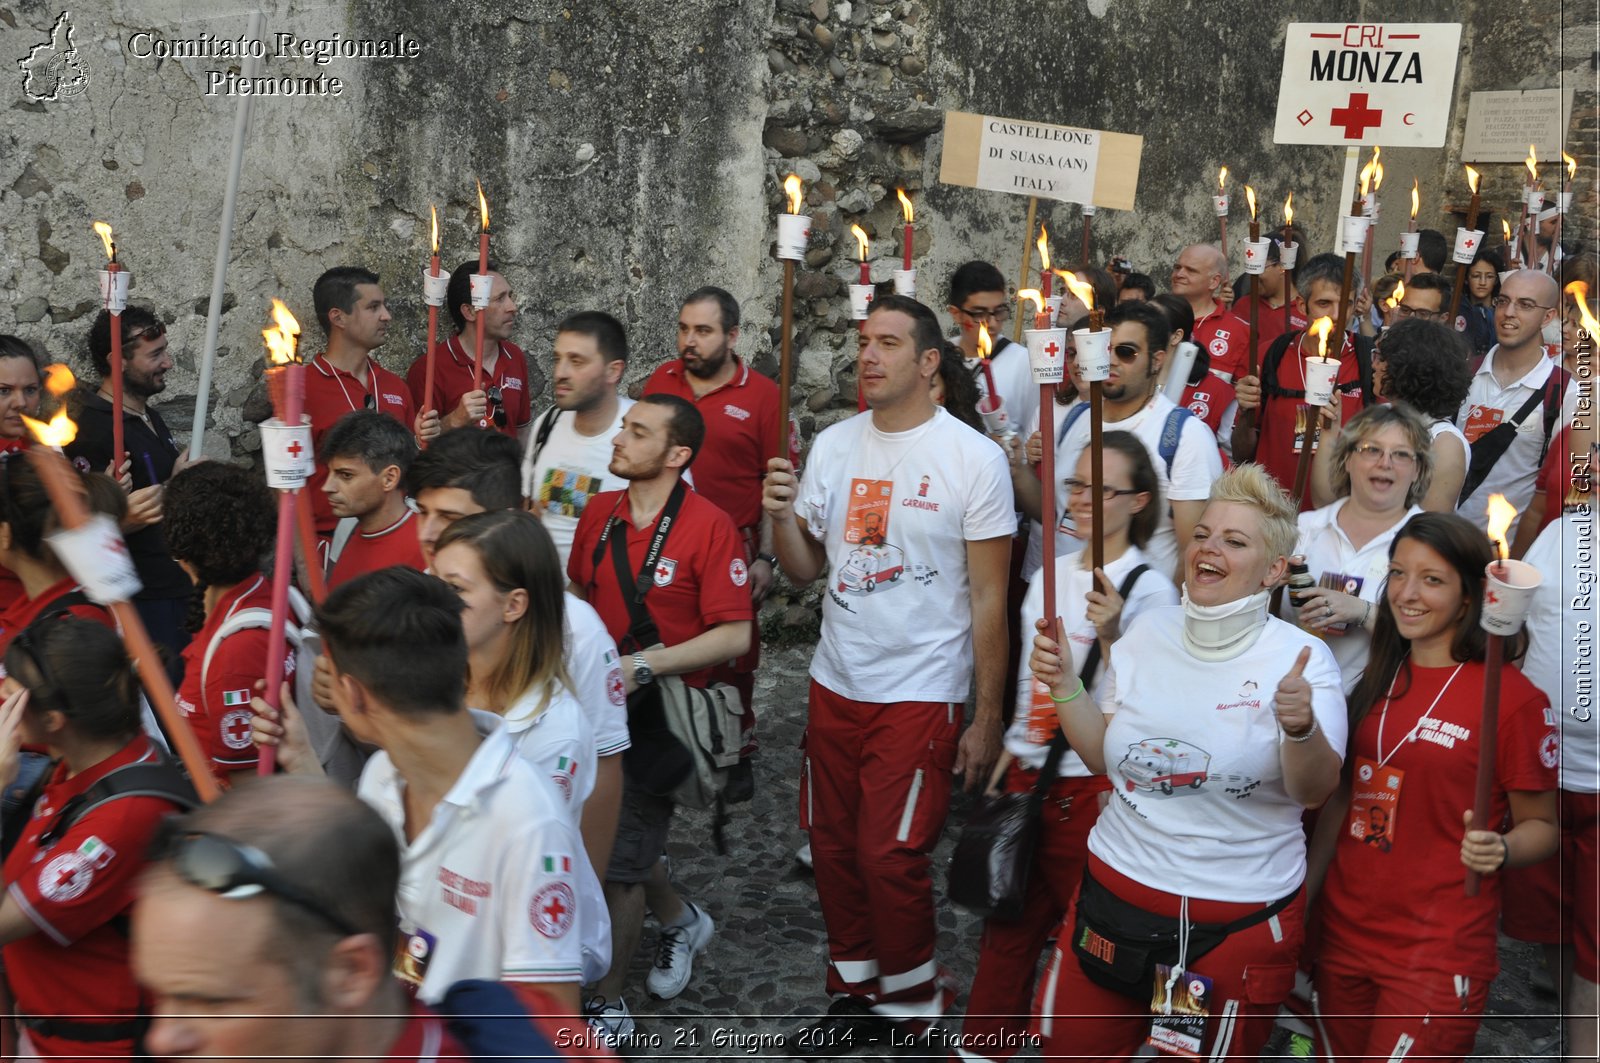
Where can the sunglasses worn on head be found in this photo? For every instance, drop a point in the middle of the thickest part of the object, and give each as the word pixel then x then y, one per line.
pixel 233 870
pixel 149 332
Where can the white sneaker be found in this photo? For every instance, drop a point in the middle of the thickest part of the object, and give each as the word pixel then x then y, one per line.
pixel 675 953
pixel 802 855
pixel 609 1019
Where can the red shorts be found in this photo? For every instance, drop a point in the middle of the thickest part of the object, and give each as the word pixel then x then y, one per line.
pixel 1379 1016
pixel 1557 901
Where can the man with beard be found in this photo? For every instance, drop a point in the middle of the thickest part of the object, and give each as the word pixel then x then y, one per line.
pixel 742 410
pixel 568 458
pixel 153 456
pixel 504 402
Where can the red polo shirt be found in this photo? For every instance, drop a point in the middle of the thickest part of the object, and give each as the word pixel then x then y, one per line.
pixel 1278 442
pixel 367 552
pixel 1209 400
pixel 330 394
pixel 24 611
pixel 1269 326
pixel 1223 336
pixel 741 421
pixel 76 965
pixel 219 711
pixel 452 378
pixel 701 579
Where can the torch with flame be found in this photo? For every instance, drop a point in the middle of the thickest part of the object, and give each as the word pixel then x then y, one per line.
pixel 1501 513
pixel 280 337
pixel 1288 210
pixel 1222 181
pixel 1473 177
pixel 905 240
pixel 483 209
pixel 861 240
pixel 1399 294
pixel 433 217
pixel 791 188
pixel 1505 230
pixel 861 295
pixel 1037 298
pixel 481 292
pixel 1377 168
pixel 1045 274
pixel 1416 201
pixel 985 345
pixel 1084 293
pixel 1579 290
pixel 104 232
pixel 59 430
pixel 1320 328
pixel 1532 163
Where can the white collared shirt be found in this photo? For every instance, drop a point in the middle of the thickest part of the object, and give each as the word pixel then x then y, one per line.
pixel 1513 475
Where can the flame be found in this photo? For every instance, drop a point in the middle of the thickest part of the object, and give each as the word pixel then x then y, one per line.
pixel 861 238
pixel 483 206
pixel 985 345
pixel 791 188
pixel 1250 198
pixel 1415 199
pixel 1222 181
pixel 104 232
pixel 1473 177
pixel 1505 229
pixel 1366 179
pixel 905 205
pixel 1035 295
pixel 1288 210
pixel 1580 295
pixel 280 337
pixel 1044 250
pixel 60 430
pixel 1532 163
pixel 1572 165
pixel 1399 294
pixel 434 214
pixel 1084 291
pixel 1322 326
pixel 1501 514
pixel 1377 168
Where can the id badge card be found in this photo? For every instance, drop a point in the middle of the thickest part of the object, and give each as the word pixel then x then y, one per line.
pixel 412 955
pixel 1043 719
pixel 866 515
pixel 1375 804
pixel 1481 419
pixel 1179 1030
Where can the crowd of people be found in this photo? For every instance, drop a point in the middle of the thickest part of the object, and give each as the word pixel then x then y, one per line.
pixel 540 637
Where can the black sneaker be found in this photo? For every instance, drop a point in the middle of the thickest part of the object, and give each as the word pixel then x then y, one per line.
pixel 849 1027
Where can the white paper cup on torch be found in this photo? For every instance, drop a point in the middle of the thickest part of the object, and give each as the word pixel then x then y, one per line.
pixel 1094 353
pixel 1047 354
pixel 1320 375
pixel 1564 202
pixel 98 559
pixel 996 421
pixel 1182 366
pixel 1535 200
pixel 905 283
pixel 860 301
pixel 1467 243
pixel 1052 305
pixel 1220 205
pixel 1508 597
pixel 1354 230
pixel 794 230
pixel 482 285
pixel 1408 244
pixel 1369 206
pixel 1255 256
pixel 1287 253
pixel 287 454
pixel 114 289
pixel 434 288
pixel 1088 210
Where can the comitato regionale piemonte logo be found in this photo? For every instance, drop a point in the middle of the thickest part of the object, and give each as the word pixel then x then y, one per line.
pixel 54 69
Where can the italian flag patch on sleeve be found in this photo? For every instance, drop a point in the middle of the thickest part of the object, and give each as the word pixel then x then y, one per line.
pixel 235 697
pixel 558 862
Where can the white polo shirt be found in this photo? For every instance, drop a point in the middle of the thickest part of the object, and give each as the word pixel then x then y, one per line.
pixel 1560 658
pixel 1489 404
pixel 1336 563
pixel 496 885
pixel 596 674
pixel 558 742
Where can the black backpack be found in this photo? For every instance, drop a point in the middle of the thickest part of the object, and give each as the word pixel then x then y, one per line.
pixel 151 778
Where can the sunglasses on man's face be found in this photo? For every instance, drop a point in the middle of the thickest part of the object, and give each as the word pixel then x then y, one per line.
pixel 1127 353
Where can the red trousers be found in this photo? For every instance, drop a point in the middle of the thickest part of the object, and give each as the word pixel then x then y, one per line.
pixel 1251 973
pixel 874 793
pixel 1388 1016
pixel 1002 990
pixel 1557 901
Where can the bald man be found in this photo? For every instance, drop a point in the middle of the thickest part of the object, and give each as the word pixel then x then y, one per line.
pixel 1198 276
pixel 1519 389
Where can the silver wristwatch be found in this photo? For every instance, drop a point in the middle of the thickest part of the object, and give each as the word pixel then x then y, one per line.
pixel 642 675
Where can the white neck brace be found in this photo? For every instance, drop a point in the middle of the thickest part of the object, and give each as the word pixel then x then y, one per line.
pixel 1222 632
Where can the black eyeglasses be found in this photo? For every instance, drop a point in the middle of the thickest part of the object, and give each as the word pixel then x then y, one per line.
pixel 999 313
pixel 1526 306
pixel 1426 315
pixel 497 405
pixel 233 870
pixel 1107 492
pixel 1126 352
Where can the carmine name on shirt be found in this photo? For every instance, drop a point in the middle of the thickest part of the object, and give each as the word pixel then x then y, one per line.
pixel 920 503
pixel 461 892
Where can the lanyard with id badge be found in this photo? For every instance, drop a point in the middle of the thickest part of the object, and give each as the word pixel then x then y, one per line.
pixel 1375 796
pixel 1180 1001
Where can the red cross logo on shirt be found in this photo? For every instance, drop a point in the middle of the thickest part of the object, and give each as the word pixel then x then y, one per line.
pixel 554 910
pixel 237 729
pixel 66 876
pixel 1355 116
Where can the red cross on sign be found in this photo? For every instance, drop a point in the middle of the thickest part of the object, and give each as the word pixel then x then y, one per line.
pixel 1052 349
pixel 1355 116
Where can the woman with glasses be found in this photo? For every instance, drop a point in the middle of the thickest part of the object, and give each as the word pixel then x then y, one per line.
pixel 1217 727
pixel 70 689
pixel 1381 464
pixel 1483 284
pixel 1405 958
pixel 1422 364
pixel 20 388
pixel 1098 605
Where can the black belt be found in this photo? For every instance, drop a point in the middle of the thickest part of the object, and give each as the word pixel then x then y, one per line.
pixel 88 1032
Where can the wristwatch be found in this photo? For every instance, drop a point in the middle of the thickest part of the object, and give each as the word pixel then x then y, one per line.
pixel 771 559
pixel 642 675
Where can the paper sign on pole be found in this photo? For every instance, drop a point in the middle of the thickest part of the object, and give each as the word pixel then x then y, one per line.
pixel 1038 159
pixel 1388 83
pixel 1501 125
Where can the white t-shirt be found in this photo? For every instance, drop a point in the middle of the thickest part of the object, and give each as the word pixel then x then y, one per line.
pixel 571 469
pixel 1013 378
pixel 1335 562
pixel 558 742
pixel 1073 583
pixel 1488 403
pixel 1033 556
pixel 596 672
pixel 1195 466
pixel 895 511
pixel 496 886
pixel 1199 808
pixel 1561 658
pixel 1442 427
